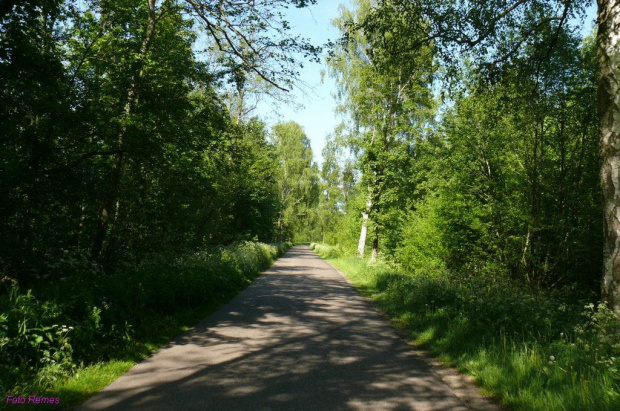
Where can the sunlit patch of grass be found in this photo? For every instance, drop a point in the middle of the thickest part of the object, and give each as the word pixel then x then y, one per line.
pixel 88 380
pixel 426 336
pixel 532 352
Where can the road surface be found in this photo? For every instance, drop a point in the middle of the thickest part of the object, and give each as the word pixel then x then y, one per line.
pixel 299 338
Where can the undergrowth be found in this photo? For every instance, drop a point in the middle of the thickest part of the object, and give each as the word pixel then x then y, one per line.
pixel 533 351
pixel 71 337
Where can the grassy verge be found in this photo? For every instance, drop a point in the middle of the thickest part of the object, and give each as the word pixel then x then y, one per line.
pixel 80 335
pixel 533 352
pixel 88 380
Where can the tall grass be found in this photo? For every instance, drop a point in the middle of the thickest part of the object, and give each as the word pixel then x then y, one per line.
pixel 91 327
pixel 533 351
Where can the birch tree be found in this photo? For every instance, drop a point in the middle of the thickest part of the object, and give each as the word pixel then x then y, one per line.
pixel 386 100
pixel 608 47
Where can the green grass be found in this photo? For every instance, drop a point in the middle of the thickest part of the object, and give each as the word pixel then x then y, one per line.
pixel 88 380
pixel 532 352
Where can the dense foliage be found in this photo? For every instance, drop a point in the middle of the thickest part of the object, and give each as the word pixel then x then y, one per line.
pixel 501 181
pixel 128 191
pixel 115 144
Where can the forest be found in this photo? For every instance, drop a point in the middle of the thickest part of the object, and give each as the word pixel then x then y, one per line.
pixel 471 188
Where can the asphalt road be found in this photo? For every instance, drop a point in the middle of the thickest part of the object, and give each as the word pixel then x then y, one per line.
pixel 299 338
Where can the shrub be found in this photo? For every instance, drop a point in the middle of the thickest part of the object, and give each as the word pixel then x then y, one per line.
pixel 327 251
pixel 422 250
pixel 32 336
pixel 86 316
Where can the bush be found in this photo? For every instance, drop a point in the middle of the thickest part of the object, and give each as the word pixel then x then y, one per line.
pixel 421 249
pixel 327 251
pixel 87 316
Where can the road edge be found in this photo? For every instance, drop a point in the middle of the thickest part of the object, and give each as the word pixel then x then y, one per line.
pixel 462 385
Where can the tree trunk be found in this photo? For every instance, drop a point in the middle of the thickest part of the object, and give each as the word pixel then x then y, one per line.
pixel 111 201
pixel 375 243
pixel 608 49
pixel 361 245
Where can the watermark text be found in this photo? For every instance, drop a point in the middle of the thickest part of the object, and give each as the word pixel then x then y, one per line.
pixel 31 399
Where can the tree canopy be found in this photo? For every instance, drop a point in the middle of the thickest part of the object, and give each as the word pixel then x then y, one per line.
pixel 116 141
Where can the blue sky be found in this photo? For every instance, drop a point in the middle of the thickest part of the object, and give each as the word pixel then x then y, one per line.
pixel 317 116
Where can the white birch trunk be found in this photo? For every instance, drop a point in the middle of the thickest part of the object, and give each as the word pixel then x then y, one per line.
pixel 608 49
pixel 361 245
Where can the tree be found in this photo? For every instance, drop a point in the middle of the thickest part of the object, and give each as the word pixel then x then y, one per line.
pixel 115 142
pixel 299 181
pixel 110 206
pixel 336 186
pixel 388 99
pixel 495 32
pixel 608 50
pixel 37 122
pixel 254 38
